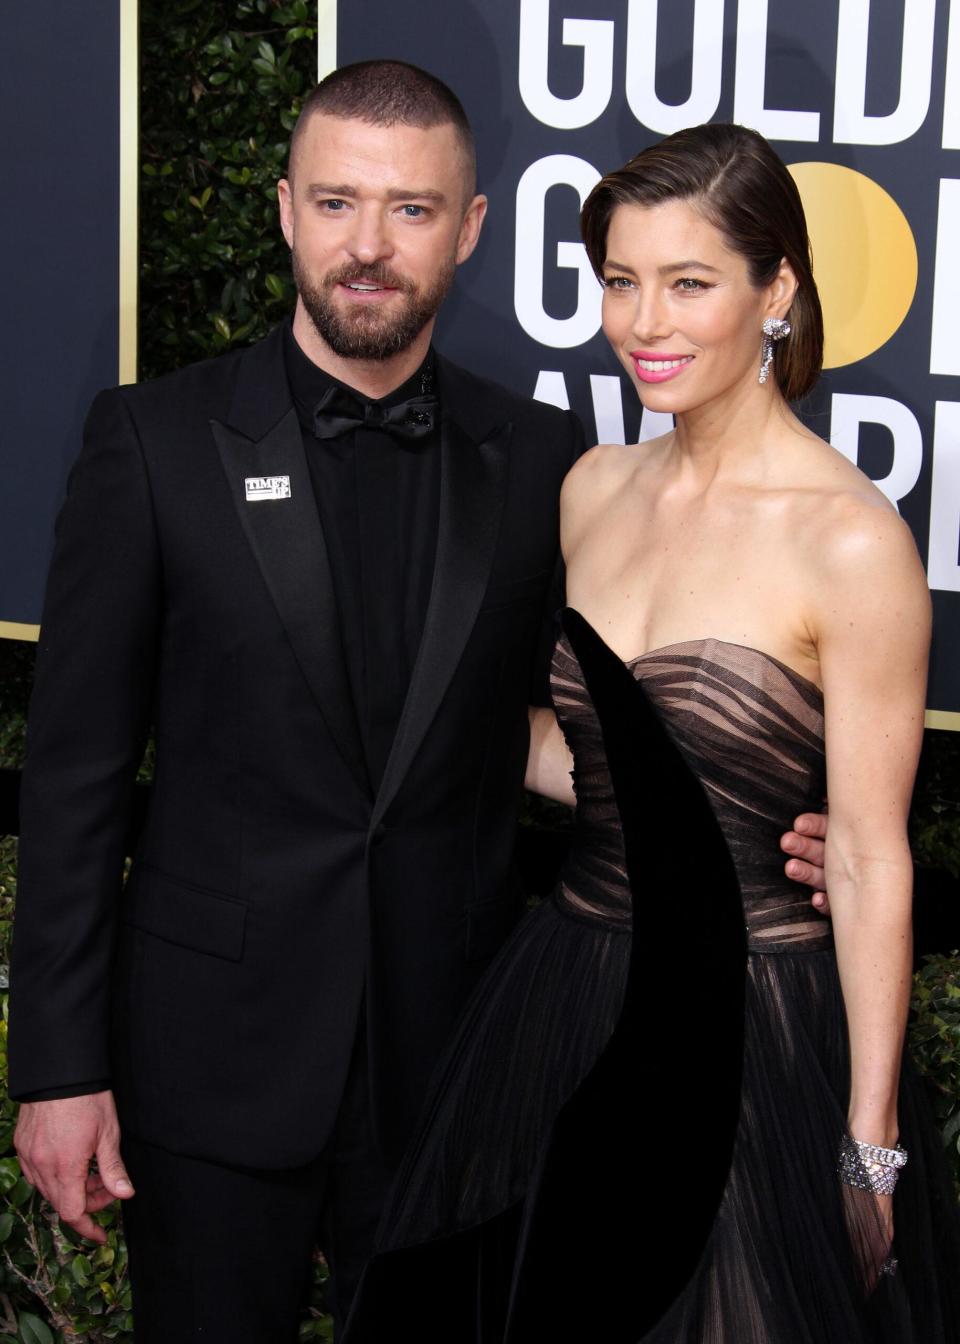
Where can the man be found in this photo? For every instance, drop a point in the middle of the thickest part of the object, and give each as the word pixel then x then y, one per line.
pixel 318 568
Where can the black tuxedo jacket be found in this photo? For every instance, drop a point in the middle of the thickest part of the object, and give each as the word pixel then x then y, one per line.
pixel 271 892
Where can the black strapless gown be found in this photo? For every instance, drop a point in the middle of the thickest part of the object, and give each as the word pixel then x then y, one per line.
pixel 633 1135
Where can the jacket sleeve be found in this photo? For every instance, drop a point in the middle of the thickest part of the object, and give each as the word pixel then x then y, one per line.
pixel 88 722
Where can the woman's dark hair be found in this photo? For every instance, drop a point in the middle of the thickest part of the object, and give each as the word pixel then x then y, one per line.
pixel 733 176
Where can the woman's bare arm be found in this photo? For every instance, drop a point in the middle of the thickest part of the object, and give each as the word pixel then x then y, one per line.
pixel 549 761
pixel 873 631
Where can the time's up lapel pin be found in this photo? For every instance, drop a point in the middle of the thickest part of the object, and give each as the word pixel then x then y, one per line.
pixel 267 487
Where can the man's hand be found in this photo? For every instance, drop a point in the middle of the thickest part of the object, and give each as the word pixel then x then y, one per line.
pixel 56 1140
pixel 805 844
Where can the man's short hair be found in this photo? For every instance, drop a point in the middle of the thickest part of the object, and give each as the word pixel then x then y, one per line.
pixel 391 93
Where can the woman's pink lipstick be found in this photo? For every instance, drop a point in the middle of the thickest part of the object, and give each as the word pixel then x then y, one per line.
pixel 652 366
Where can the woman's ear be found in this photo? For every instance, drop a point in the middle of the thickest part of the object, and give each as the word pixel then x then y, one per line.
pixel 781 291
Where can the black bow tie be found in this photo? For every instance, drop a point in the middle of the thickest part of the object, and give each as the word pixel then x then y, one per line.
pixel 338 411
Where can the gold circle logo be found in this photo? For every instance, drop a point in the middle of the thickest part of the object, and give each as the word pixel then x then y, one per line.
pixel 864 259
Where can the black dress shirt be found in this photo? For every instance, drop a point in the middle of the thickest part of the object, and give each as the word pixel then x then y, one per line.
pixel 378 497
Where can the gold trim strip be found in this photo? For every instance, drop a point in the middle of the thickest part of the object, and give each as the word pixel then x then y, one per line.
pixel 17 630
pixel 129 176
pixel 944 719
pixel 326 38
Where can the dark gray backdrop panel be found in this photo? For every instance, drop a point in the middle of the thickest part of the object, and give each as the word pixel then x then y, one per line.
pixel 59 65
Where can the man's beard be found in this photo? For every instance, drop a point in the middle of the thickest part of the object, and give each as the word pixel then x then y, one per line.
pixel 363 332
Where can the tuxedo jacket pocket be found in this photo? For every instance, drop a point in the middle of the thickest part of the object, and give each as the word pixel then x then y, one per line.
pixel 189 916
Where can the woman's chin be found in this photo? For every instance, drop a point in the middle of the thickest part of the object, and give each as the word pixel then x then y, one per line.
pixel 662 400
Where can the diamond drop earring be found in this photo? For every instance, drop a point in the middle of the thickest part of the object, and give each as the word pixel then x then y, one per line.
pixel 774 329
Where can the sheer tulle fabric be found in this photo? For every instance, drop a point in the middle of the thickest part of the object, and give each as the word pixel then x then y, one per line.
pixel 792 1255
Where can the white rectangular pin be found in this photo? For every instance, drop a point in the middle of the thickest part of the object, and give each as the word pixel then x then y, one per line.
pixel 267 487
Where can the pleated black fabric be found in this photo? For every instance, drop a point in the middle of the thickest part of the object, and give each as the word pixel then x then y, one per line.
pixel 635 1138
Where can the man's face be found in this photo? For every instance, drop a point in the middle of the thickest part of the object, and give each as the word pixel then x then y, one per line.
pixel 377 221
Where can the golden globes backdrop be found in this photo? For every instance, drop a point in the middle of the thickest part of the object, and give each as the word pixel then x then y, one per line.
pixel 69 237
pixel 860 97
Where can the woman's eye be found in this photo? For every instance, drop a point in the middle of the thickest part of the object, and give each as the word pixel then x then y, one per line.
pixel 689 285
pixel 616 282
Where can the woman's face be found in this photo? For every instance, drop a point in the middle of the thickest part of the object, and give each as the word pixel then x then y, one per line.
pixel 679 309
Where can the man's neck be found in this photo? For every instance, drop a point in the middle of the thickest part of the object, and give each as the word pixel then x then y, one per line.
pixel 374 378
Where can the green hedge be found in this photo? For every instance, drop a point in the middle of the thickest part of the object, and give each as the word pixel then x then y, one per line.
pixel 222 82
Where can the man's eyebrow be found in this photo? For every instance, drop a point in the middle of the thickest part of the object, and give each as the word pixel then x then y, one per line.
pixel 326 189
pixel 426 194
pixel 397 194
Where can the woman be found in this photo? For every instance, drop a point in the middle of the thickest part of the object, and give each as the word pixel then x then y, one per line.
pixel 694 1134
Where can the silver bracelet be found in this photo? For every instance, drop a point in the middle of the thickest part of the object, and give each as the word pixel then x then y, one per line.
pixel 865 1166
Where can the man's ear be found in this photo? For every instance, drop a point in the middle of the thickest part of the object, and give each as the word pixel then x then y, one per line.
pixel 285 200
pixel 470 227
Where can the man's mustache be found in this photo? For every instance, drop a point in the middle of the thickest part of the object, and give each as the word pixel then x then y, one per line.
pixel 377 274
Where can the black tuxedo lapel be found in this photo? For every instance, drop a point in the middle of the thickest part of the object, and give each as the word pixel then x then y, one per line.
pixel 286 537
pixel 473 475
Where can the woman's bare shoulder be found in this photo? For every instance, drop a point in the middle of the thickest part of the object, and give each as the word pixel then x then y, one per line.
pixel 591 487
pixel 605 469
pixel 597 463
pixel 855 541
pixel 844 513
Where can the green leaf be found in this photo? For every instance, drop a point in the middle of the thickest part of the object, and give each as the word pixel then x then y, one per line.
pixel 105 1257
pixel 9 1173
pixel 274 285
pixel 33 1330
pixel 6 1225
pixel 20 1193
pixel 82 1270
